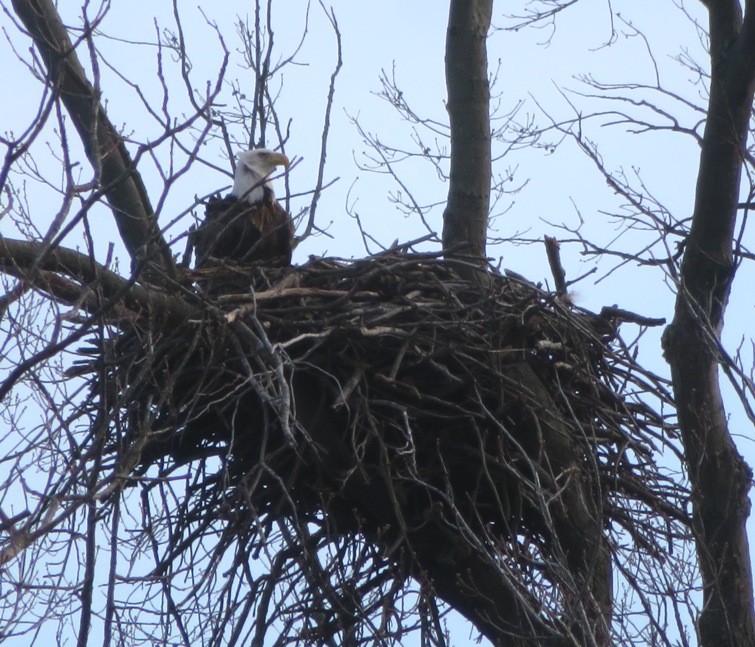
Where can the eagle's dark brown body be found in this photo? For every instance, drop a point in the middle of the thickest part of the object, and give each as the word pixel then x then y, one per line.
pixel 238 231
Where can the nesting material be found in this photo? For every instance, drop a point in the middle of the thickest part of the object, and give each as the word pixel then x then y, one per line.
pixel 388 395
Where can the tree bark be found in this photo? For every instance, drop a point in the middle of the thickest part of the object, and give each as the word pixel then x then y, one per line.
pixel 104 147
pixel 719 476
pixel 465 220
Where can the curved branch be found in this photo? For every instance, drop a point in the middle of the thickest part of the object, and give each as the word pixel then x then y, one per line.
pixel 108 290
pixel 104 147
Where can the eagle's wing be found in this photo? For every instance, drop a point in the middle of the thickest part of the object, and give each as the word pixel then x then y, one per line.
pixel 276 232
pixel 240 232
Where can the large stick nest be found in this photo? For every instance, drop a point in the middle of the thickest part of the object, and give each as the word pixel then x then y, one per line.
pixel 395 396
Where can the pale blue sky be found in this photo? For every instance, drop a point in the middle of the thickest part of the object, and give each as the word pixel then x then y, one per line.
pixel 410 34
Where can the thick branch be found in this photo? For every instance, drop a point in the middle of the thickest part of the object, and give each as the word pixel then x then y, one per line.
pixel 720 477
pixel 103 145
pixel 725 23
pixel 465 219
pixel 95 287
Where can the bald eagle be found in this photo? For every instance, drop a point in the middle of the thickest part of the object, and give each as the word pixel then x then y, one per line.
pixel 248 225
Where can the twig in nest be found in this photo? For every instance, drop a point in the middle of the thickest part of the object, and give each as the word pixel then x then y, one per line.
pixel 348 388
pixel 612 312
pixel 553 250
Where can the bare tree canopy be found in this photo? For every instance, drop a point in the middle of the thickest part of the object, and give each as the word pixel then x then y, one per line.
pixel 214 447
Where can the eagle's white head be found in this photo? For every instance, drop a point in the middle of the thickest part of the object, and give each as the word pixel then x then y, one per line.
pixel 252 172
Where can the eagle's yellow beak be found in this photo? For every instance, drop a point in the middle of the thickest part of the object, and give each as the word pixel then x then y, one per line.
pixel 279 159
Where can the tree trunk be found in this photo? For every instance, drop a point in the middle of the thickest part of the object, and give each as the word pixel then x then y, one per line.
pixel 719 476
pixel 465 219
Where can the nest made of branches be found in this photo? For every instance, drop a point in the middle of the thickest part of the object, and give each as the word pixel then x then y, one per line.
pixel 390 394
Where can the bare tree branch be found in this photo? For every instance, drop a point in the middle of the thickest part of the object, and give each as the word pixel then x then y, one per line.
pixel 720 478
pixel 92 286
pixel 114 168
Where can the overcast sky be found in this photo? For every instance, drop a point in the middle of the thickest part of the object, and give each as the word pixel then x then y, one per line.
pixel 408 38
pixel 537 70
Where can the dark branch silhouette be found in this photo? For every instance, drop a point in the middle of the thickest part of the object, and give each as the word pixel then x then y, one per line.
pixel 114 169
